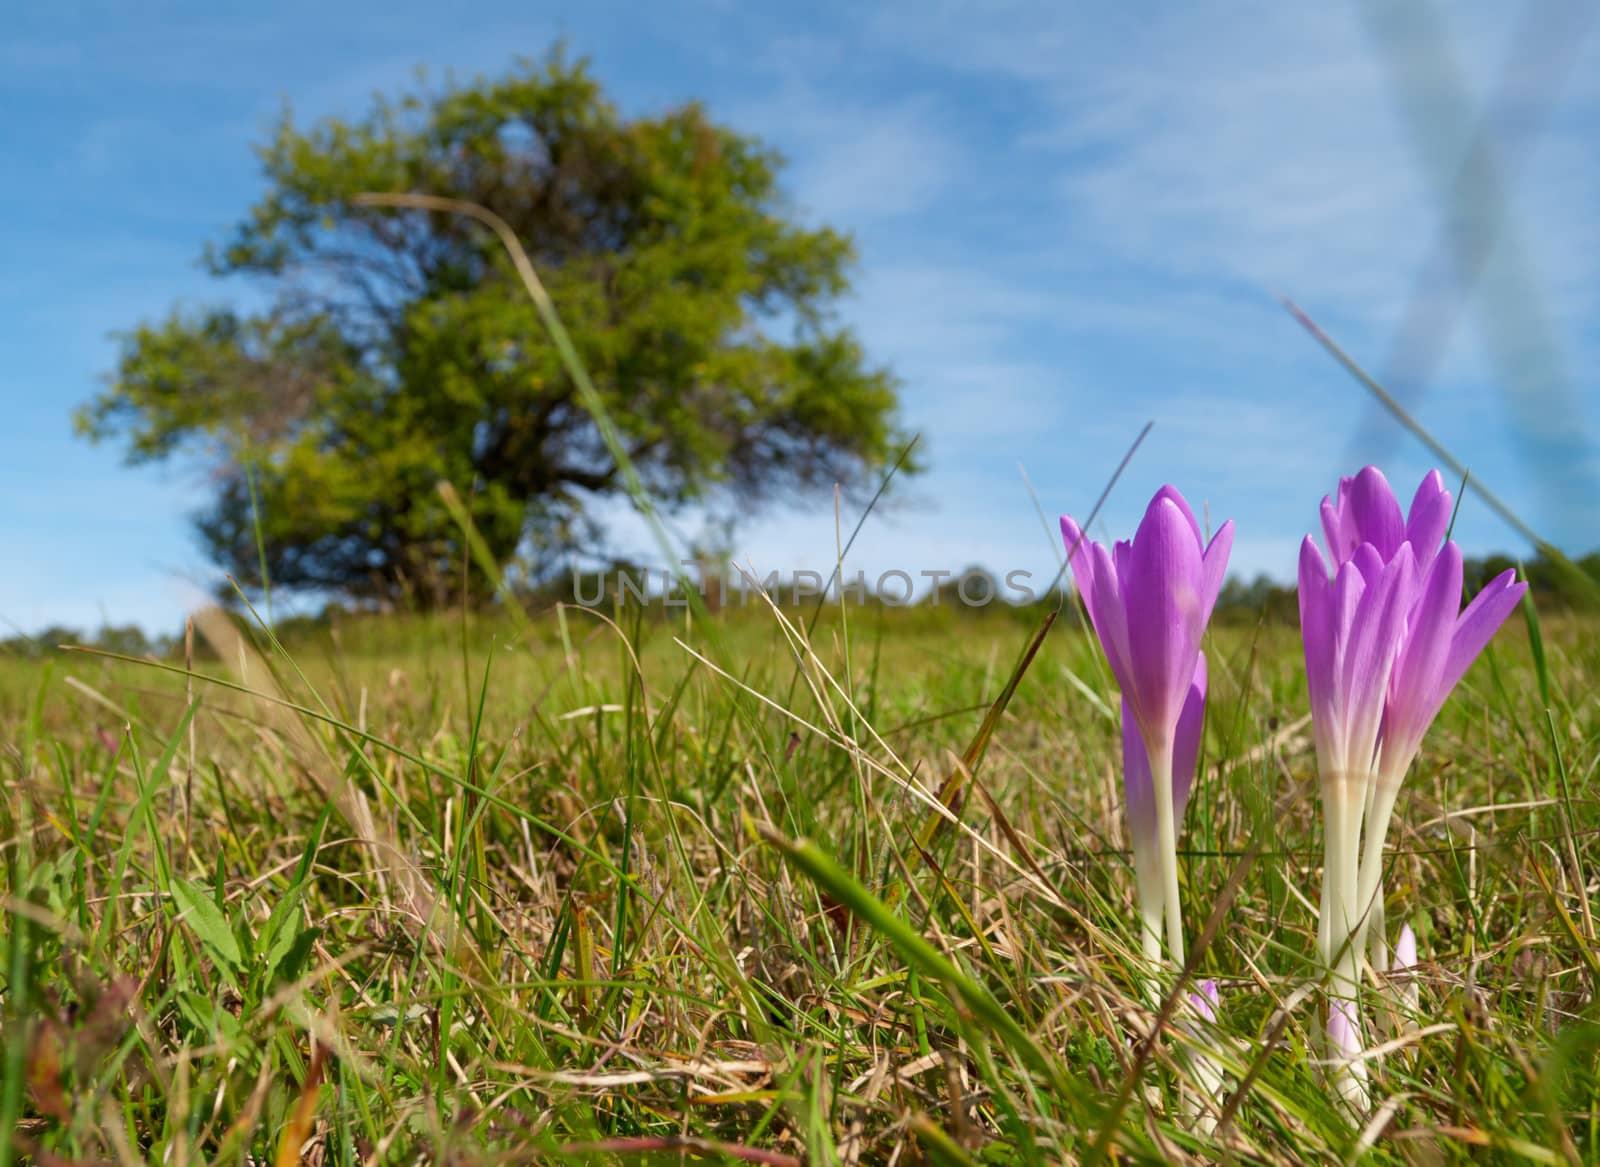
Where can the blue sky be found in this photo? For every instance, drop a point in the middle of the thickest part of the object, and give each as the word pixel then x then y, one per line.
pixel 1072 219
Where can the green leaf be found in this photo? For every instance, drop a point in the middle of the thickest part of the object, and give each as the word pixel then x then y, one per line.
pixel 200 912
pixel 289 958
pixel 207 1018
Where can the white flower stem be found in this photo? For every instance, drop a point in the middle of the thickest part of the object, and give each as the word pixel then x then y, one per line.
pixel 1167 849
pixel 1377 943
pixel 1339 934
pixel 1150 935
pixel 1150 931
pixel 1337 845
pixel 1369 890
pixel 1147 872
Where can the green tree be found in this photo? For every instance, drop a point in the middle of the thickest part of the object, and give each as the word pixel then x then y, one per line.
pixel 397 349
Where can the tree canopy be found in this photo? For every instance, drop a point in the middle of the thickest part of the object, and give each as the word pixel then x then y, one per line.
pixel 395 349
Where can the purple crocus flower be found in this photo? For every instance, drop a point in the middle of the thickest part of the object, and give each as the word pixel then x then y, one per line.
pixel 1205 999
pixel 1351 626
pixel 1385 641
pixel 1149 601
pixel 1345 1048
pixel 1204 1002
pixel 1405 964
pixel 1405 949
pixel 1365 510
pixel 1437 645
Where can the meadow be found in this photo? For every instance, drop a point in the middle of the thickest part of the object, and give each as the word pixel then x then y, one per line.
pixel 622 886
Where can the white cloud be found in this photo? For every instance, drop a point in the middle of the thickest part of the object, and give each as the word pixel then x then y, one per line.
pixel 1253 140
pixel 854 160
pixel 942 309
pixel 1254 146
pixel 866 164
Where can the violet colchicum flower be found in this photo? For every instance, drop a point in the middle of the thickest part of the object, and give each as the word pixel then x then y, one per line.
pixel 1203 1002
pixel 1385 643
pixel 1437 645
pixel 1345 1052
pixel 1351 627
pixel 1365 510
pixel 1149 602
pixel 1405 966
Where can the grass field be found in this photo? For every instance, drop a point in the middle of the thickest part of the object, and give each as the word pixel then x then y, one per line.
pixel 602 890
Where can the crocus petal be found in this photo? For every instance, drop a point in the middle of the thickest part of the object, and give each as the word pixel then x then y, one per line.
pixel 1317 633
pixel 1341 540
pixel 1369 655
pixel 1478 624
pixel 1096 578
pixel 1428 518
pixel 1344 1033
pixel 1347 1072
pixel 1367 560
pixel 1344 601
pixel 1108 613
pixel 1086 570
pixel 1405 963
pixel 1205 999
pixel 1120 551
pixel 1415 691
pixel 1374 512
pixel 1171 494
pixel 1078 555
pixel 1137 784
pixel 1186 739
pixel 1162 589
pixel 1341 495
pixel 1405 950
pixel 1214 564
